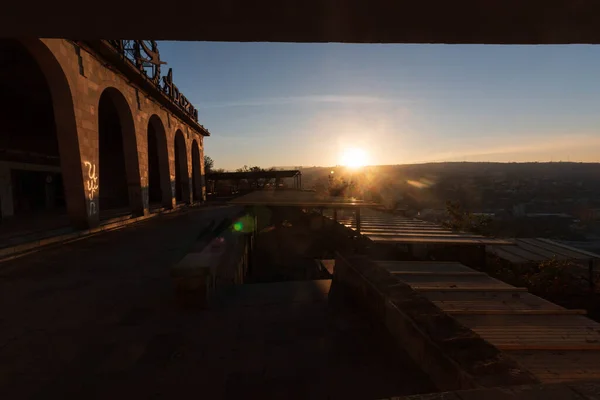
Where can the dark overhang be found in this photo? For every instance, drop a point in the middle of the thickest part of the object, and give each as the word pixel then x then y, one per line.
pixel 357 21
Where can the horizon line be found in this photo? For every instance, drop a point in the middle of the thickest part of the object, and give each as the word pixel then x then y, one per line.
pixel 434 162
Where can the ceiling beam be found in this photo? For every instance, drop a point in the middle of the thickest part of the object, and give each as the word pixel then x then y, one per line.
pixel 355 21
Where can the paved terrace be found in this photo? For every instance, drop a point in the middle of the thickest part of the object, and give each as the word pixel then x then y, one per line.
pixel 96 319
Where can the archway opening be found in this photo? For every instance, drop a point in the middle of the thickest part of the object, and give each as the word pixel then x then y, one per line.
pixel 32 196
pixel 159 191
pixel 181 169
pixel 113 191
pixel 154 192
pixel 196 173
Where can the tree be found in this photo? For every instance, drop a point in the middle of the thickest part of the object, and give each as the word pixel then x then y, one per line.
pixel 461 220
pixel 208 164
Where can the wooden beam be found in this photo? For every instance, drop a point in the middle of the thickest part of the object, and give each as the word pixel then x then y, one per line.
pixel 485 289
pixel 515 312
pixel 433 273
pixel 549 347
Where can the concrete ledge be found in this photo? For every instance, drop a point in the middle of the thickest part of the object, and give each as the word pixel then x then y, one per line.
pixel 452 355
pixel 218 258
pixel 559 391
pixel 66 235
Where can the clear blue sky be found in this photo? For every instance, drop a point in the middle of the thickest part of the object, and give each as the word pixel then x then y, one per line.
pixel 276 104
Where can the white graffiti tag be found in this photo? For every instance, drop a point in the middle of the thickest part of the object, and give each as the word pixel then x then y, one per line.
pixel 92 186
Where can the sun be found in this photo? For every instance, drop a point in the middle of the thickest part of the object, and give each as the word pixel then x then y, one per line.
pixel 354 158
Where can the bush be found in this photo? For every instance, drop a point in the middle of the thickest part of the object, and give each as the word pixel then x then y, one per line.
pixel 558 277
pixel 548 278
pixel 464 221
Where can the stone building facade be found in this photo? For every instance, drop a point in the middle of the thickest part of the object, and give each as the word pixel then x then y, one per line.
pixel 84 133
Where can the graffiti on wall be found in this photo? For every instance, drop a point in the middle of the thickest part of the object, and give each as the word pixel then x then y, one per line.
pixel 92 187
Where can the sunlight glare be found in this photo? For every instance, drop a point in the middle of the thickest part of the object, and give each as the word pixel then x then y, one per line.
pixel 354 158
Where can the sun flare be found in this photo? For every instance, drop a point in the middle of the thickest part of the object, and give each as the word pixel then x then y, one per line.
pixel 354 158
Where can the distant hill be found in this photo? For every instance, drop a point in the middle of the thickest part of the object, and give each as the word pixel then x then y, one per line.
pixel 534 170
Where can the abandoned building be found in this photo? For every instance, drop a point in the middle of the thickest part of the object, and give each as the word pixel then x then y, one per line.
pixel 90 127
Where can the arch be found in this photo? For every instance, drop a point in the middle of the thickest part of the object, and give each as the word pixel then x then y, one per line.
pixel 182 178
pixel 159 187
pixel 118 172
pixel 196 172
pixel 62 121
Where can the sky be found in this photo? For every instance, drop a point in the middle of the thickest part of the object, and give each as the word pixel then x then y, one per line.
pixel 293 104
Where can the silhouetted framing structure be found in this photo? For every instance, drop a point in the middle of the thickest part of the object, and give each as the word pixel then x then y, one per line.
pixel 357 21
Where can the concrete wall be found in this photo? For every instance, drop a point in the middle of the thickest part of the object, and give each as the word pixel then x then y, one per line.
pixel 77 79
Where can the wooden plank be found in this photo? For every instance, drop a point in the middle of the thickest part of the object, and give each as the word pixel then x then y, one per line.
pixel 474 307
pixel 425 240
pixel 524 321
pixel 490 300
pixel 479 278
pixel 399 231
pixel 535 249
pixel 371 225
pixel 431 262
pixel 564 311
pixel 450 285
pixel 589 254
pixel 438 273
pixel 394 229
pixel 391 223
pixel 535 331
pixel 430 266
pixel 550 347
pixel 559 366
pixel 498 251
pixel 444 235
pixel 553 248
pixel 386 225
pixel 520 252
pixel 471 289
pixel 388 220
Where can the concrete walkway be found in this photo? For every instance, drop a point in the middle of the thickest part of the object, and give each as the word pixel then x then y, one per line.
pixel 292 343
pixel 96 319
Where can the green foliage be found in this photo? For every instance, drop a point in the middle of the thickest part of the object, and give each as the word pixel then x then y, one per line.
pixel 549 278
pixel 464 221
pixel 555 276
pixel 208 164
